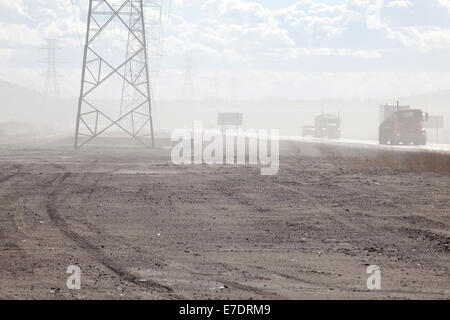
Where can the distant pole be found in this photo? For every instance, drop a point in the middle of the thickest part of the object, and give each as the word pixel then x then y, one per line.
pixel 51 81
pixel 188 88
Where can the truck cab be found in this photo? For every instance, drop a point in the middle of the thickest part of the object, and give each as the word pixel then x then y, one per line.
pixel 328 126
pixel 404 127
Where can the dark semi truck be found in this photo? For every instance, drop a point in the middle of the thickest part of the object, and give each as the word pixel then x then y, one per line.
pixel 402 125
pixel 328 126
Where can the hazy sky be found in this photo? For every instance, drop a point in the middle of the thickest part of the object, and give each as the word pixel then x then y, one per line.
pixel 265 48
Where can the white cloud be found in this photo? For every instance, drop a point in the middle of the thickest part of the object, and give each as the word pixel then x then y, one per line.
pixel 421 38
pixel 445 3
pixel 314 16
pixel 399 4
pixel 20 35
pixel 5 55
pixel 247 35
pixel 15 7
pixel 299 53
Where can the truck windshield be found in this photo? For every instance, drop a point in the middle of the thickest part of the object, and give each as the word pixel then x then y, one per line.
pixel 332 121
pixel 410 115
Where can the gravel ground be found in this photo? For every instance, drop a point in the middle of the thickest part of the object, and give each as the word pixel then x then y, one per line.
pixel 142 228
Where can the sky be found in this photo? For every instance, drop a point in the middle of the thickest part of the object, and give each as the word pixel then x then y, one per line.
pixel 306 49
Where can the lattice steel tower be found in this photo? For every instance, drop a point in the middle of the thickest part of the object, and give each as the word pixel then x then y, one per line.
pixel 188 88
pixel 51 81
pixel 153 21
pixel 115 54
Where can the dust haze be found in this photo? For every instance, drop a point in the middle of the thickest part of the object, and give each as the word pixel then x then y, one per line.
pixel 90 98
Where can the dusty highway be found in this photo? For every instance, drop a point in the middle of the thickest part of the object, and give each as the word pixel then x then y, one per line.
pixel 370 144
pixel 141 228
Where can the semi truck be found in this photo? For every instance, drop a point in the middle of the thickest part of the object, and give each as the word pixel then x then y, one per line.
pixel 308 130
pixel 328 126
pixel 402 125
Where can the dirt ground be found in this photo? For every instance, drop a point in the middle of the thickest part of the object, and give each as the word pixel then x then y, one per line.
pixel 142 228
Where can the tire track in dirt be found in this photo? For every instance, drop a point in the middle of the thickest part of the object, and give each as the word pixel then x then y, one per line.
pixel 420 224
pixel 331 213
pixel 431 234
pixel 18 253
pixel 418 218
pixel 264 293
pixel 12 175
pixel 362 227
pixel 20 206
pixel 233 196
pixel 7 177
pixel 240 198
pixel 8 296
pixel 95 252
pixel 359 290
pixel 365 190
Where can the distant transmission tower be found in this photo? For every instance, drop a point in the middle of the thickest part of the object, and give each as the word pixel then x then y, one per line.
pixel 51 81
pixel 102 64
pixel 188 88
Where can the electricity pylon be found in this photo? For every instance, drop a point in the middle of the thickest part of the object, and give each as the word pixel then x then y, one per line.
pixel 51 81
pixel 103 63
pixel 153 22
pixel 188 88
